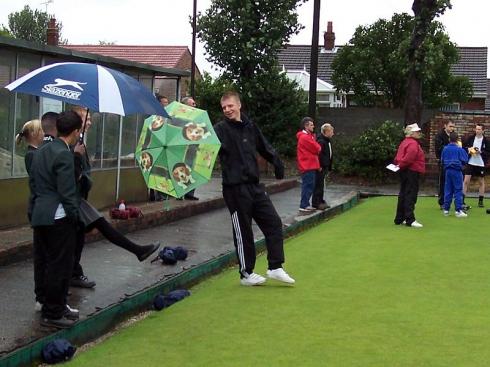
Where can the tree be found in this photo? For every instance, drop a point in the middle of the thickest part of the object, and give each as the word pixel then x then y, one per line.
pixel 4 32
pixel 277 106
pixel 31 25
pixel 424 13
pixel 243 37
pixel 375 66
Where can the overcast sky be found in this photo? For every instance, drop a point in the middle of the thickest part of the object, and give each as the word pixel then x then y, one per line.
pixel 166 22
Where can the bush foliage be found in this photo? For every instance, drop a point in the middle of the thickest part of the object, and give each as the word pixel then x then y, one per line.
pixel 368 154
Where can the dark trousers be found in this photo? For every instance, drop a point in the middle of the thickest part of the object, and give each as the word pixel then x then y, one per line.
pixel 246 202
pixel 80 243
pixel 442 179
pixel 407 197
pixel 39 257
pixel 453 188
pixel 317 198
pixel 307 187
pixel 58 243
pixel 114 236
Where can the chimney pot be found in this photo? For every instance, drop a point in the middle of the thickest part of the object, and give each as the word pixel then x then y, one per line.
pixel 329 37
pixel 52 33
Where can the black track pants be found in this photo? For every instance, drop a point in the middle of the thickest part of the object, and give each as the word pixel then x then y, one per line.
pixel 246 202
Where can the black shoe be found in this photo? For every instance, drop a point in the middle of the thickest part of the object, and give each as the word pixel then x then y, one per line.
pixel 480 204
pixel 71 313
pixel 61 323
pixel 466 207
pixel 148 250
pixel 82 282
pixel 191 197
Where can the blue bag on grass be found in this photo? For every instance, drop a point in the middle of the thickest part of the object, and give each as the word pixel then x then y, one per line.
pixel 58 350
pixel 160 301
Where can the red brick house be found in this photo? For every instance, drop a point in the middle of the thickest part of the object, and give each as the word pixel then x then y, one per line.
pixel 170 57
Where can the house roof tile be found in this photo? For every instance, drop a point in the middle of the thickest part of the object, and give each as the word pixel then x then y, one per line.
pixel 487 101
pixel 472 63
pixel 163 56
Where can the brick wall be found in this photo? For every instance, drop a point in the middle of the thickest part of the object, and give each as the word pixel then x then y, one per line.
pixel 465 125
pixel 474 104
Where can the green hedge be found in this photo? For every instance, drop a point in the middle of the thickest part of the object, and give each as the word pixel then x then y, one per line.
pixel 368 154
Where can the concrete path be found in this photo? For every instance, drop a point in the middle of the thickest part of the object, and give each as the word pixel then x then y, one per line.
pixel 118 273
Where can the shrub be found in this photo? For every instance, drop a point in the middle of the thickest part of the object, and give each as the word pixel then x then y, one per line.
pixel 368 154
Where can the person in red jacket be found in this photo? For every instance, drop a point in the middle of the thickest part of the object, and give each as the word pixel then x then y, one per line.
pixel 411 160
pixel 308 162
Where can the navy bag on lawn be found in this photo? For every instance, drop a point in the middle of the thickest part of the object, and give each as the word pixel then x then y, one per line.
pixel 58 350
pixel 172 297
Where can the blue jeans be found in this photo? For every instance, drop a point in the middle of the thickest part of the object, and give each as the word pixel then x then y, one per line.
pixel 307 187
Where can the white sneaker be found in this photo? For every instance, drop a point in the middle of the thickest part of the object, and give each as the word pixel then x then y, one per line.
pixel 253 279
pixel 416 224
pixel 281 275
pixel 71 309
pixel 445 212
pixel 38 306
pixel 461 214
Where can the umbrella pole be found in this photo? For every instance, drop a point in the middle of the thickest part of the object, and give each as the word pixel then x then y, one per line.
pixel 118 176
pixel 82 135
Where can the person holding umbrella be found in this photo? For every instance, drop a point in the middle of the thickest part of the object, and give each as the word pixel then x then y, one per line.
pixel 91 217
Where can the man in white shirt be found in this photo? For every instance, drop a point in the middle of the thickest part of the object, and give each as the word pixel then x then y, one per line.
pixel 477 147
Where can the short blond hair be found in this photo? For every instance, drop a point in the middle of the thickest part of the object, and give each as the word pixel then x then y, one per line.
pixel 29 130
pixel 326 126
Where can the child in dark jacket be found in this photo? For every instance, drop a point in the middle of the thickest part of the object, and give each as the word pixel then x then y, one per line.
pixel 453 158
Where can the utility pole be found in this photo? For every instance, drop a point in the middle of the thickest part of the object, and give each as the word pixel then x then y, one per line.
pixel 193 55
pixel 314 59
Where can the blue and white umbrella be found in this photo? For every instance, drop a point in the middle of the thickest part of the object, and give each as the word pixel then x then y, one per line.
pixel 90 85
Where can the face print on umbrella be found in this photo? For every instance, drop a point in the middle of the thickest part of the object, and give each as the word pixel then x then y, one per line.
pixel 182 175
pixel 194 131
pixel 157 123
pixel 146 162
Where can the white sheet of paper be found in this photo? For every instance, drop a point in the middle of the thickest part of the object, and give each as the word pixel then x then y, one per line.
pixel 393 167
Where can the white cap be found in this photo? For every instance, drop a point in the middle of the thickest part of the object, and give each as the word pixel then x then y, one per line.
pixel 412 128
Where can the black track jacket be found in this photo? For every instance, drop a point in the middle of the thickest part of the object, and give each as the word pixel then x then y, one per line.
pixel 240 143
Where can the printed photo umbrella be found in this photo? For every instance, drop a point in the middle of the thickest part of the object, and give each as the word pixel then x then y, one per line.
pixel 177 154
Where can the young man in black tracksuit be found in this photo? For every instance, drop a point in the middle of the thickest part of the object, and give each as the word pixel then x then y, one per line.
pixel 246 199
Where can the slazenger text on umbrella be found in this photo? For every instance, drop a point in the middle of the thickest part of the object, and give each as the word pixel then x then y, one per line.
pixel 55 89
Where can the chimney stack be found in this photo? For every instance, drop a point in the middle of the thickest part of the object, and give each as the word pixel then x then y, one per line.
pixel 52 33
pixel 329 38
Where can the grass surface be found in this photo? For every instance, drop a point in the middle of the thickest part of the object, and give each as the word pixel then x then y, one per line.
pixel 368 293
